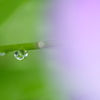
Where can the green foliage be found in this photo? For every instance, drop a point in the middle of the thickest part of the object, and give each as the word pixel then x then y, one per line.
pixel 27 79
pixel 7 7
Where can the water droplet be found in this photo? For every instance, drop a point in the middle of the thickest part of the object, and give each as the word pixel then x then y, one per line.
pixel 20 54
pixel 2 53
pixel 41 44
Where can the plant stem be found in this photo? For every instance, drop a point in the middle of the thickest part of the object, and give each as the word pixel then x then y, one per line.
pixel 24 46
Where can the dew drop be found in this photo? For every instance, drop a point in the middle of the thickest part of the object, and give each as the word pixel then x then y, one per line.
pixel 2 53
pixel 41 44
pixel 20 54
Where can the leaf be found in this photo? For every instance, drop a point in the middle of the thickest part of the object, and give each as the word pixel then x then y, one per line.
pixel 7 7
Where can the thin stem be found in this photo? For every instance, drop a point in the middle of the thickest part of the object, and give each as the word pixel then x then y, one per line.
pixel 25 46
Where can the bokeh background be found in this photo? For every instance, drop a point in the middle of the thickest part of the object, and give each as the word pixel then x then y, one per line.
pixel 23 21
pixel 77 32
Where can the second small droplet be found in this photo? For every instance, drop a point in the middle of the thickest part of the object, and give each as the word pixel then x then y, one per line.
pixel 2 53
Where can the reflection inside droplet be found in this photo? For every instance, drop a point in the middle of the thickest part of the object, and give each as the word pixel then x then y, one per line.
pixel 20 54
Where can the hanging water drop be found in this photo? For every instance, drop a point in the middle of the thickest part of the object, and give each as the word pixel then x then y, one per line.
pixel 2 53
pixel 20 54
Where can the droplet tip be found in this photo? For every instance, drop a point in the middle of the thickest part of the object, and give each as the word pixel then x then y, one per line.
pixel 41 44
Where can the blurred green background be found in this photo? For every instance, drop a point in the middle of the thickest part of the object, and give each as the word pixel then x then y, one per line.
pixel 28 79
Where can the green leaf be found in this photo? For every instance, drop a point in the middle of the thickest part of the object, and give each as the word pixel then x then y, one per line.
pixel 7 7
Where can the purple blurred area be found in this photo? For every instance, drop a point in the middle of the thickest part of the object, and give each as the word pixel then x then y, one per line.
pixel 77 30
